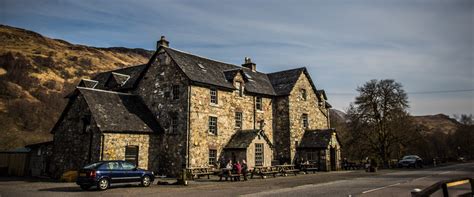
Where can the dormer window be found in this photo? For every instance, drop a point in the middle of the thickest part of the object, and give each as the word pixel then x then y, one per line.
pixel 240 88
pixel 303 94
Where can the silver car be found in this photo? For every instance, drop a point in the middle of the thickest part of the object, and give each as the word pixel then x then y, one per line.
pixel 410 161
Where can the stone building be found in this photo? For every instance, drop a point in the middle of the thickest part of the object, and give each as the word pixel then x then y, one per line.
pixel 181 110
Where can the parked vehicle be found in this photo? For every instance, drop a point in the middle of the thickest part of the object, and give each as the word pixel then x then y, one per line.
pixel 104 173
pixel 410 161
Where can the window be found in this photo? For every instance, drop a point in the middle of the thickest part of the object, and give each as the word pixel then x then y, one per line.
pixel 238 120
pixel 213 125
pixel 311 156
pixel 304 118
pixel 212 156
pixel 175 90
pixel 86 123
pixel 258 154
pixel 131 154
pixel 174 124
pixel 303 94
pixel 127 166
pixel 258 103
pixel 240 88
pixel 213 95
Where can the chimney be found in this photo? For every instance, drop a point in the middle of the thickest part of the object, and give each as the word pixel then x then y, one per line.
pixel 162 42
pixel 249 64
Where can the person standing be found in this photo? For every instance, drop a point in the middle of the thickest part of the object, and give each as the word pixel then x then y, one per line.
pixel 244 169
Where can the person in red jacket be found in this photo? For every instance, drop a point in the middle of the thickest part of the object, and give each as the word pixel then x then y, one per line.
pixel 238 170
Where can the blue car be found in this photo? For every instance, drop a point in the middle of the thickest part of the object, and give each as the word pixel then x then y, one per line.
pixel 104 173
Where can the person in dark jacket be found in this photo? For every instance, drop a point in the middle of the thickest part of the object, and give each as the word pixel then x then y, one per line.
pixel 244 169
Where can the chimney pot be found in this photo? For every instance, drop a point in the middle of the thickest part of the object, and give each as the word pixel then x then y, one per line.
pixel 162 42
pixel 249 64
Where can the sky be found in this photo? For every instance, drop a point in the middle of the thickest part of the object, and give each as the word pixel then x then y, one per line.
pixel 427 46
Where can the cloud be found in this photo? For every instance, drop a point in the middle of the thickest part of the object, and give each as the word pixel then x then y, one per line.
pixel 425 45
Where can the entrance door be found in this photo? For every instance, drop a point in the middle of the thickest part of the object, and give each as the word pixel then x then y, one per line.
pixel 333 159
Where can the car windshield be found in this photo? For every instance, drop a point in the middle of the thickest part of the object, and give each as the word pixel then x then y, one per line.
pixel 409 157
pixel 92 166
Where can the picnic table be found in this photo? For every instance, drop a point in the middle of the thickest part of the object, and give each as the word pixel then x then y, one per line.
pixel 306 167
pixel 286 169
pixel 263 171
pixel 227 173
pixel 197 172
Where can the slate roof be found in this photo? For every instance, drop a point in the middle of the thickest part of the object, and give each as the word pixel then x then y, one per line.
pixel 134 72
pixel 316 138
pixel 243 138
pixel 211 72
pixel 119 112
pixel 284 81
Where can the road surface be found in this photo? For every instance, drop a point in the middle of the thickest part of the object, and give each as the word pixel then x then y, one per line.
pixel 398 182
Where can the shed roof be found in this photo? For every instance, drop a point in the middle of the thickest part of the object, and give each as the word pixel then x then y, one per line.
pixel 119 112
pixel 243 138
pixel 317 138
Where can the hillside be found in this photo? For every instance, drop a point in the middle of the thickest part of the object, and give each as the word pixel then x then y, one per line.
pixel 430 123
pixel 35 74
pixel 437 123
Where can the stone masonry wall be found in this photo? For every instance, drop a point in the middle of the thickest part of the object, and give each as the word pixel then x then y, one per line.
pixel 115 143
pixel 167 150
pixel 281 128
pixel 72 142
pixel 228 103
pixel 298 106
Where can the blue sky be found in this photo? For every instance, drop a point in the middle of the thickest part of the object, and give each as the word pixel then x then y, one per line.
pixel 425 45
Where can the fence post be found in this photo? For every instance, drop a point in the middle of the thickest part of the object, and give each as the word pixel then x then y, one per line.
pixel 445 190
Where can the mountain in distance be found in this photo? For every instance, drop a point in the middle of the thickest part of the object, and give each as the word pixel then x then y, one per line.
pixel 36 73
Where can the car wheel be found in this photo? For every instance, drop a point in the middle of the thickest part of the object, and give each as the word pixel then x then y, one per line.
pixel 85 187
pixel 103 184
pixel 146 181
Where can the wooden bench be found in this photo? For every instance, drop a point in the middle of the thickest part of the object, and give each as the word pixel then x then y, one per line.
pixel 197 172
pixel 309 167
pixel 263 171
pixel 287 169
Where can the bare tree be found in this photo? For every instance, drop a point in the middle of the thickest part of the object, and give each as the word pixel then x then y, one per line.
pixel 378 119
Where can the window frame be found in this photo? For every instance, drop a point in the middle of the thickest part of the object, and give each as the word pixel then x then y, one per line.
pixel 305 120
pixel 175 90
pixel 259 103
pixel 135 158
pixel 174 124
pixel 304 94
pixel 212 156
pixel 240 88
pixel 259 154
pixel 214 97
pixel 212 123
pixel 239 120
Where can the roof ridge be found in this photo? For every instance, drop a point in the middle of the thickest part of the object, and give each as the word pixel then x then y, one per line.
pixel 299 68
pixel 188 53
pixel 106 91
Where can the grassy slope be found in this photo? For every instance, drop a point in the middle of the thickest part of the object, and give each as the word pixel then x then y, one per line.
pixel 35 74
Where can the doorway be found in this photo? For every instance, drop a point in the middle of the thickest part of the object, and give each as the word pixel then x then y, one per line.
pixel 333 159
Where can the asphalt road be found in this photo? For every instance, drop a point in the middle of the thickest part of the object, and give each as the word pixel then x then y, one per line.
pixel 343 183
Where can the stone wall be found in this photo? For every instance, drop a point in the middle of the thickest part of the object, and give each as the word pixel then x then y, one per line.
pixel 168 150
pixel 228 103
pixel 289 124
pixel 114 147
pixel 72 142
pixel 267 153
pixel 281 129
